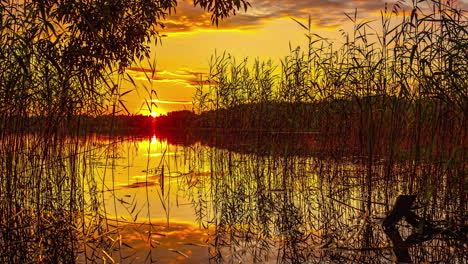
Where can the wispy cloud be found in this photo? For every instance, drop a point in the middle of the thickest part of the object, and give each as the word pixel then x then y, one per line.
pixel 170 102
pixel 183 76
pixel 324 13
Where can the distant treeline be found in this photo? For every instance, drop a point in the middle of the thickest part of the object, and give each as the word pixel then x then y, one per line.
pixel 103 124
pixel 119 124
pixel 266 117
pixel 342 126
pixel 297 116
pixel 258 143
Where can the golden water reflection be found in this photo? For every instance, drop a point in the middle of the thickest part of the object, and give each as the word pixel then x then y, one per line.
pixel 196 204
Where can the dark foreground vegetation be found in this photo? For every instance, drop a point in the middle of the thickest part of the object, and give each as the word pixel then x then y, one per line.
pixel 61 61
pixel 291 208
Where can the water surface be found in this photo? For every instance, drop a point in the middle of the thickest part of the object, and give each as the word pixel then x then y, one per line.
pixel 190 201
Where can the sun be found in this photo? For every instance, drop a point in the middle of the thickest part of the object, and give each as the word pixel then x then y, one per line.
pixel 154 114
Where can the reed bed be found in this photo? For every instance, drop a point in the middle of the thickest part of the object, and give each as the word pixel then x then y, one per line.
pixel 402 76
pixel 391 100
pixel 53 74
pixel 394 89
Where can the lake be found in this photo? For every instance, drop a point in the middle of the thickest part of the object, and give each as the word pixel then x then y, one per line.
pixel 239 199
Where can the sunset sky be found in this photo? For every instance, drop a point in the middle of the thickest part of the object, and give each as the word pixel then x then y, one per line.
pixel 265 31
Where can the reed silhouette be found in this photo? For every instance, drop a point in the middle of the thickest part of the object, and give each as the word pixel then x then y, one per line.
pixel 61 61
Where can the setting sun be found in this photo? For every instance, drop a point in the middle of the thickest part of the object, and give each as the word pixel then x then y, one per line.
pixel 154 114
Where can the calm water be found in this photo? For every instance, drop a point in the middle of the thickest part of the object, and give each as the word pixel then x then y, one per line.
pixel 187 202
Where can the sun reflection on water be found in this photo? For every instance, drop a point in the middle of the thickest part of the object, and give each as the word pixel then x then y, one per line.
pixel 198 204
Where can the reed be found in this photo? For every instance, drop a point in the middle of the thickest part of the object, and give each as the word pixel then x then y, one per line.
pixel 392 98
pixel 394 86
pixel 60 63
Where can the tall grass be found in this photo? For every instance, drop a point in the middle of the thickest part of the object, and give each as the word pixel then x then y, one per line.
pixel 61 62
pixel 50 79
pixel 392 98
pixel 415 57
pixel 395 88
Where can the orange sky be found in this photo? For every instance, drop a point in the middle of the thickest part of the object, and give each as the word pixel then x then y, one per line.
pixel 265 31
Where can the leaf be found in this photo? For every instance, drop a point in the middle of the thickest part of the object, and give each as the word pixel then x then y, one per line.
pixel 131 79
pixel 127 245
pixel 123 105
pixel 127 92
pixel 302 25
pixel 352 20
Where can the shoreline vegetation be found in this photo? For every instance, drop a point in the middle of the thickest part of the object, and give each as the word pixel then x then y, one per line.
pixel 85 124
pixel 340 120
pixel 61 60
pixel 396 84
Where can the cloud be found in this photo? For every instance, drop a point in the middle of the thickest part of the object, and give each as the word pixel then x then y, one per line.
pixel 184 76
pixel 136 69
pixel 170 102
pixel 324 13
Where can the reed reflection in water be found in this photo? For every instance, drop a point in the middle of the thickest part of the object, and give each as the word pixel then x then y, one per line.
pixel 144 200
pixel 298 209
pixel 279 207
